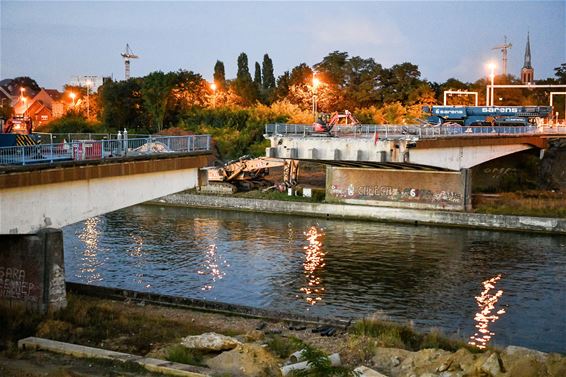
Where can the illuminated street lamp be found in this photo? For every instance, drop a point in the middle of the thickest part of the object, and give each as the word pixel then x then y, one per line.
pixel 73 95
pixel 315 84
pixel 491 67
pixel 213 87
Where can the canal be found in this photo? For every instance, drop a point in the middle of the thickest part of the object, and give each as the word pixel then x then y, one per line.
pixel 486 287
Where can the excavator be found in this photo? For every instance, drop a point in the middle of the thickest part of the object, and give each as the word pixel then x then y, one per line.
pixel 247 173
pixel 326 122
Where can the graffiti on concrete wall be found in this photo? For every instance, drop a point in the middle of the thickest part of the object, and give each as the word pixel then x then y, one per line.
pixel 496 172
pixel 14 284
pixel 390 193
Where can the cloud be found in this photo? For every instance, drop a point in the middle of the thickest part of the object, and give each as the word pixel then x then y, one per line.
pixel 357 32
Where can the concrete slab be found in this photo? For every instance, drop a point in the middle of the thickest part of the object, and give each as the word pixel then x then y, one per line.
pixel 75 350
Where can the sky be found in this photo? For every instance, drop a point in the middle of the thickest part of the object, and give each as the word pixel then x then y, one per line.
pixel 52 41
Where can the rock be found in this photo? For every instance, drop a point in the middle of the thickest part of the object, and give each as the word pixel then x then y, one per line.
pixel 386 359
pixel 254 335
pixel 522 362
pixel 367 372
pixel 492 366
pixel 210 342
pixel 463 360
pixel 248 360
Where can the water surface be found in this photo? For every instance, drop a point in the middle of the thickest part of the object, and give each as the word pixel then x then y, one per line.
pixel 507 288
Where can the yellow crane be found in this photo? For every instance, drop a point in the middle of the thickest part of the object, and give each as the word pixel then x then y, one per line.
pixel 129 54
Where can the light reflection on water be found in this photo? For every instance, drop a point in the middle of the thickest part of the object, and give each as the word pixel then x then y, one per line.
pixel 313 265
pixel 337 268
pixel 90 259
pixel 486 302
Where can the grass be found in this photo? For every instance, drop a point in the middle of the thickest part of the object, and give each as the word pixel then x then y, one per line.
pixel 320 365
pixel 183 355
pixel 283 347
pixel 16 323
pixel 98 323
pixel 388 334
pixel 525 203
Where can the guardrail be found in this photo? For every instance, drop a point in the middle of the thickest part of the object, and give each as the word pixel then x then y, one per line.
pixel 407 131
pixel 102 149
pixel 54 138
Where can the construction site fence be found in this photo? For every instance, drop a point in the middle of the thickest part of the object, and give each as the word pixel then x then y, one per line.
pixel 102 149
pixel 407 131
pixel 54 138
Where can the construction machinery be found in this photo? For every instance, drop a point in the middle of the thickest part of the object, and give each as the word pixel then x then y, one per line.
pixel 127 55
pixel 17 131
pixel 487 115
pixel 247 173
pixel 504 47
pixel 326 122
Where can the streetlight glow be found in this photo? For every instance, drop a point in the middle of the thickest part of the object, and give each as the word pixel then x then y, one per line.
pixel 73 95
pixel 213 86
pixel 489 97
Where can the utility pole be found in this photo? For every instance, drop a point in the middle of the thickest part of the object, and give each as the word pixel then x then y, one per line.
pixel 504 47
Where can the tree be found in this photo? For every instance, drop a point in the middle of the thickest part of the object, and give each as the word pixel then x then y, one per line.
pixel 396 83
pixel 267 70
pixel 155 92
pixel 219 75
pixel 560 73
pixel 24 82
pixel 188 90
pixel 243 84
pixel 257 76
pixel 122 105
pixel 282 89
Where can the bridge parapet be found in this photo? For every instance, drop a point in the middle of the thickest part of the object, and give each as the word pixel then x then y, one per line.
pixel 102 149
pixel 396 131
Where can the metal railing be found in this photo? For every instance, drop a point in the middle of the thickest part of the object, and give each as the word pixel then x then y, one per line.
pixel 405 131
pixel 54 138
pixel 102 149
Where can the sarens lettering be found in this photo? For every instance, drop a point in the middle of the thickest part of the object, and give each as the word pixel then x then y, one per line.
pixel 499 109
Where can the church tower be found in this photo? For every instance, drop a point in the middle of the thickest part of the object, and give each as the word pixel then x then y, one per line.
pixel 527 72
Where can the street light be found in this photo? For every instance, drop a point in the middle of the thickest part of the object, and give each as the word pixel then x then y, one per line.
pixel 73 95
pixel 88 84
pixel 213 87
pixel 491 67
pixel 315 84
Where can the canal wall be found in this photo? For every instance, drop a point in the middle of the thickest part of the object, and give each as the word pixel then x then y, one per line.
pixel 359 212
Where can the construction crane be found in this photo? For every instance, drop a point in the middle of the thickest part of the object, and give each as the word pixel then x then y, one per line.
pixel 127 56
pixel 504 47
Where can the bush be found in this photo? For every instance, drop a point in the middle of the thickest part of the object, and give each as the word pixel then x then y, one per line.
pixel 73 124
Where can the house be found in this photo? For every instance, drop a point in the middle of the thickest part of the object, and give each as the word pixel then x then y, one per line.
pixel 46 105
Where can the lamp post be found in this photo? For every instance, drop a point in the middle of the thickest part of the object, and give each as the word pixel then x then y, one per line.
pixel 73 95
pixel 492 77
pixel 315 84
pixel 88 84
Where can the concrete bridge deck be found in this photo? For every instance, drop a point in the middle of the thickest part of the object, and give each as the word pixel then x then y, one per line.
pixel 451 148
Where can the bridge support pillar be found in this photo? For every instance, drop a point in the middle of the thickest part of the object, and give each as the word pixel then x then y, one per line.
pixel 32 271
pixel 442 190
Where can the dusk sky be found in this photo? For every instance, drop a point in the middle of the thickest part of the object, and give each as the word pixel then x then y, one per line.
pixel 53 41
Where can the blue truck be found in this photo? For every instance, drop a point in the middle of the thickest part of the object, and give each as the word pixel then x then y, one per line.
pixel 487 115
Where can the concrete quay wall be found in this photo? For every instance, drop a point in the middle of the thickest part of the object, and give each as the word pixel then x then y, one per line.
pixel 359 212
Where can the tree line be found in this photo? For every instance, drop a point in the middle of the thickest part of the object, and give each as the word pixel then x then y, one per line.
pixel 235 110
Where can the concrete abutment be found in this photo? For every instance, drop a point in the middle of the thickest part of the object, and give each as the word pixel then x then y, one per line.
pixel 32 271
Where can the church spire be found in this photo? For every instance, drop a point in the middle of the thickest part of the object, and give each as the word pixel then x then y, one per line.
pixel 527 63
pixel 528 72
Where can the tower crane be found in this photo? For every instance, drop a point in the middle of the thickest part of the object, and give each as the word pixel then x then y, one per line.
pixel 127 55
pixel 504 47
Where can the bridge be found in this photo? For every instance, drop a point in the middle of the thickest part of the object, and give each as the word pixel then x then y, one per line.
pixel 404 166
pixel 47 186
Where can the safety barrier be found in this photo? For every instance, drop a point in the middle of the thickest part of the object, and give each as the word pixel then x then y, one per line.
pixel 102 149
pixel 408 131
